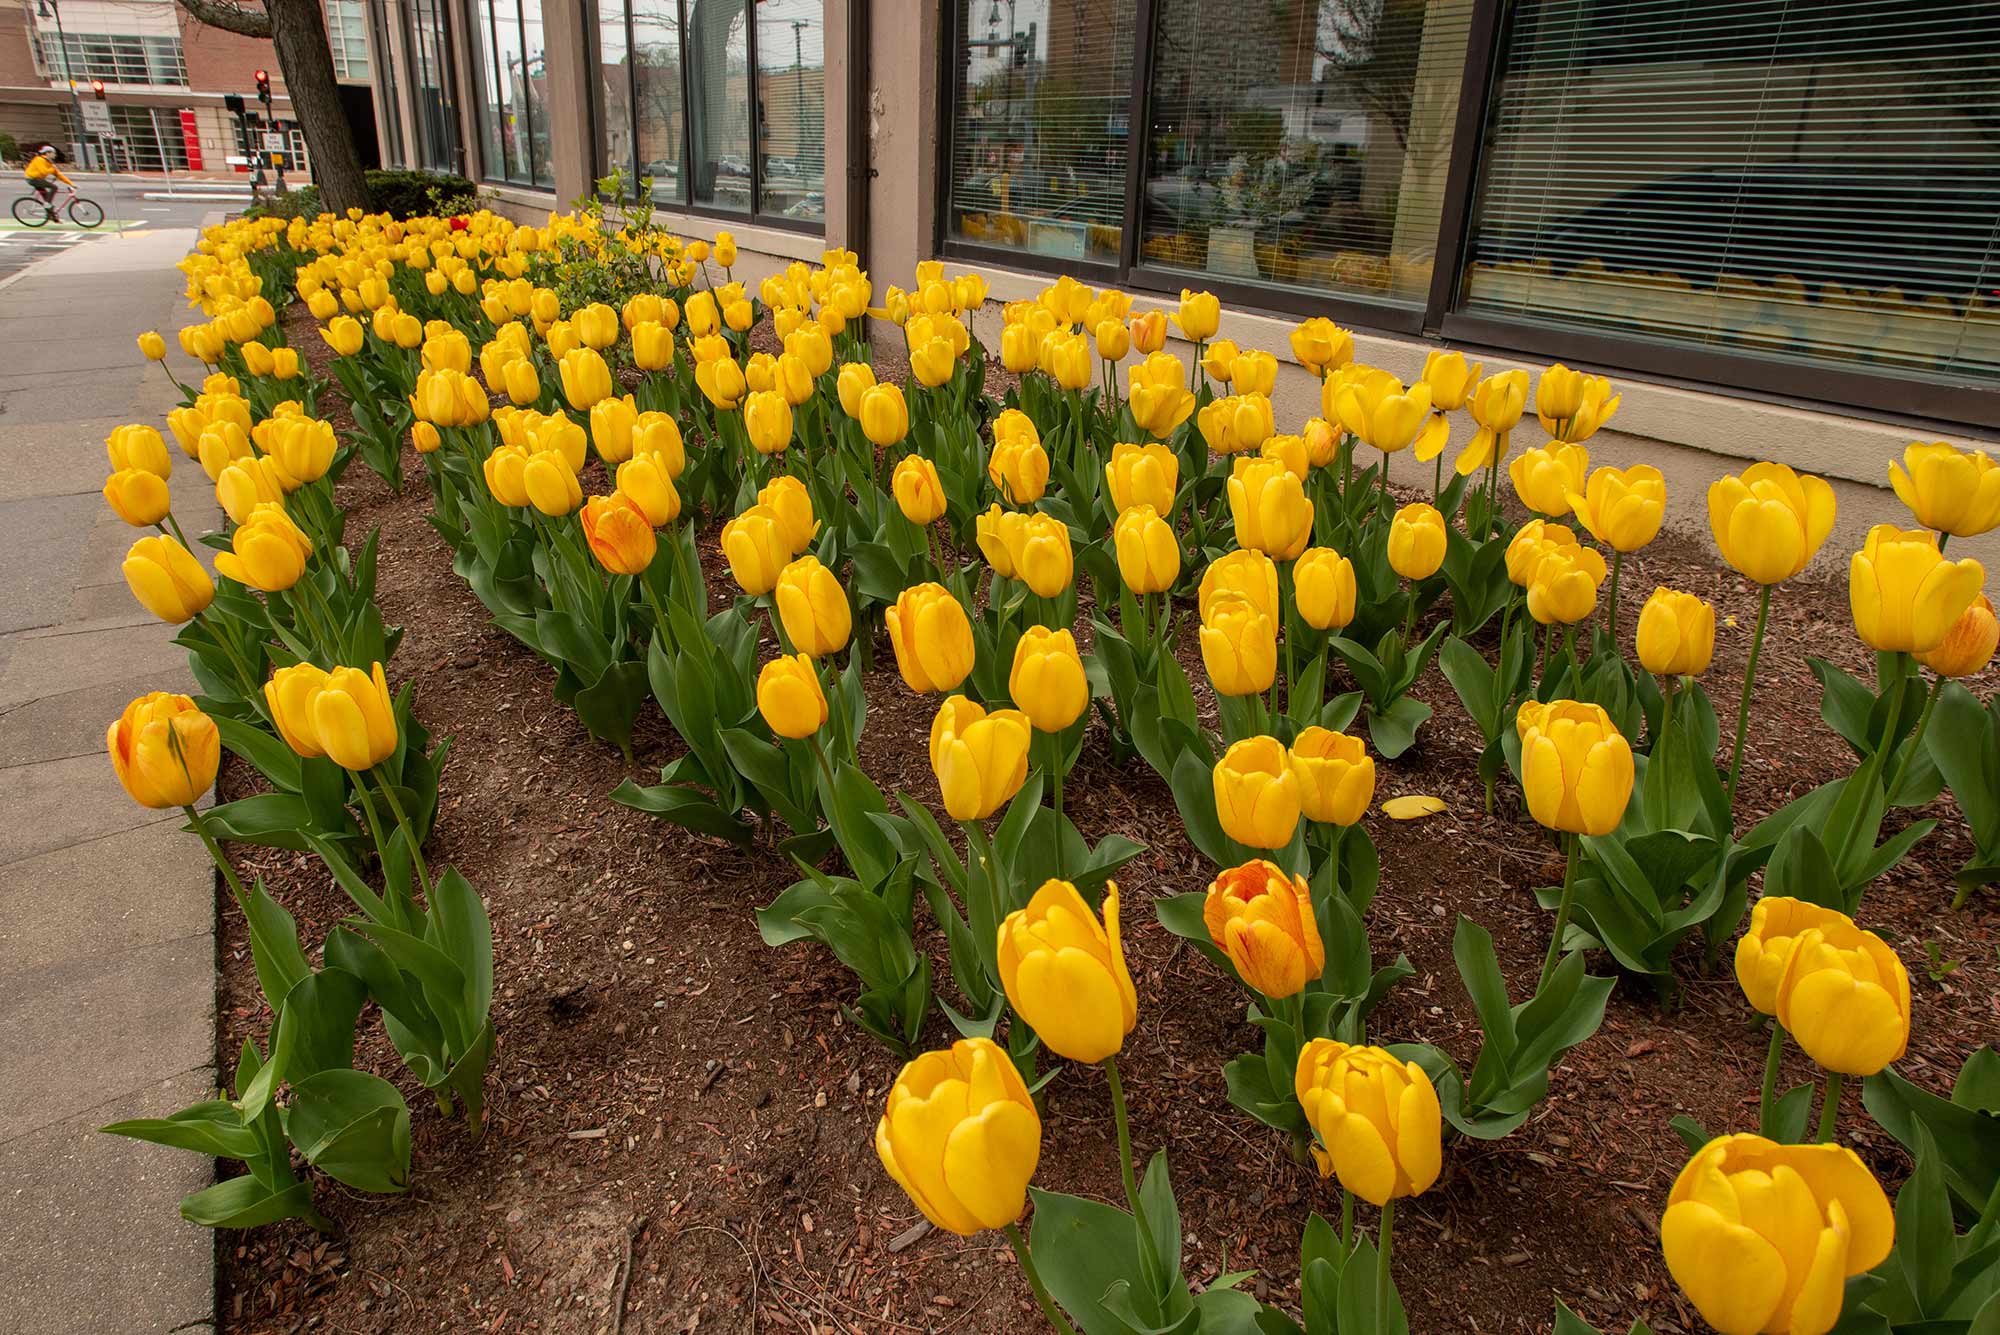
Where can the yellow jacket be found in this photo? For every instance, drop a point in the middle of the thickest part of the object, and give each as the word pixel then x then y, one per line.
pixel 39 166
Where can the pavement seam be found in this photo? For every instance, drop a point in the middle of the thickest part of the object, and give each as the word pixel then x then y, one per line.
pixel 101 1103
pixel 85 843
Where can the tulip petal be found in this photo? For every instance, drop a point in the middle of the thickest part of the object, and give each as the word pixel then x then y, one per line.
pixel 1071 1000
pixel 1413 806
pixel 1362 1159
pixel 1733 1276
pixel 989 1159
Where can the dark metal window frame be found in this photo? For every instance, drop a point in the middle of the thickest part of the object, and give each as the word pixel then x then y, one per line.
pixel 1442 317
pixel 685 202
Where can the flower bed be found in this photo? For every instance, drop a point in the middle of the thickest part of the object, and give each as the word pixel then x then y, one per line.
pixel 681 1119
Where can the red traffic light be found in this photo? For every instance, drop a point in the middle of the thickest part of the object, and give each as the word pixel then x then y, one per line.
pixel 97 89
pixel 261 77
pixel 263 85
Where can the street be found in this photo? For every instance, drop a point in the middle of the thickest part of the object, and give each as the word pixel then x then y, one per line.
pixel 22 246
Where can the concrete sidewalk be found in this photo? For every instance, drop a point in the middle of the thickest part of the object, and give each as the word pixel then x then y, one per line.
pixel 107 910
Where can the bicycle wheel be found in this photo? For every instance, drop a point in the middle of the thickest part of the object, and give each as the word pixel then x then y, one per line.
pixel 85 212
pixel 28 211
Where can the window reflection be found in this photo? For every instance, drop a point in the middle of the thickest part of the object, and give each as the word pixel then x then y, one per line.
pixel 791 108
pixel 718 68
pixel 656 95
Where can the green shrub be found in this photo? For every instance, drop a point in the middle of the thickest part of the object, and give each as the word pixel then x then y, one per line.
pixel 10 148
pixel 398 193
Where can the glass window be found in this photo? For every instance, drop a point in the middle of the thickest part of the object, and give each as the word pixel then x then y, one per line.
pixel 614 73
pixel 1038 149
pixel 534 94
pixel 1310 149
pixel 434 95
pixel 513 120
pixel 718 68
pixel 394 151
pixel 1810 181
pixel 117 59
pixel 656 95
pixel 347 38
pixel 791 108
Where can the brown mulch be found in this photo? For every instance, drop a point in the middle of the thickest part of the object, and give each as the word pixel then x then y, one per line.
pixel 681 1118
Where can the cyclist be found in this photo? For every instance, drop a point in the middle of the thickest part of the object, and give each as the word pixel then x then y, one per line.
pixel 41 167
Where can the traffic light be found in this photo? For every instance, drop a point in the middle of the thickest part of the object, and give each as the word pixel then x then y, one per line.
pixel 97 89
pixel 263 86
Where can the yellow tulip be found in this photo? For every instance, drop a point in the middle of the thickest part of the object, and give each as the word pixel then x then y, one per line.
pixel 1149 332
pixel 1380 412
pixel 1020 348
pixel 767 419
pixel 1968 646
pixel 1545 478
pixel 1269 505
pixel 1320 345
pixel 344 335
pixel 152 347
pixel 1113 339
pixel 1250 575
pixel 789 697
pixel 1563 588
pixel 812 605
pixel 1417 541
pixel 137 496
pixel 1149 555
pixel 855 380
pixel 1450 379
pixel 1323 588
pixel 1239 646
pixel 918 491
pixel 1763 1237
pixel 1322 442
pixel 1066 359
pixel 139 447
pixel 167 580
pixel 611 423
pixel 652 346
pixel 932 359
pixel 1336 776
pixel 961 1137
pixel 597 325
pixel 885 415
pixel 1845 997
pixel 641 308
pixel 1200 315
pixel 1765 949
pixel 932 638
pixel 998 533
pixel 1142 475
pixel 354 719
pixel 1532 541
pixel 1263 921
pixel 1904 593
pixel 786 496
pixel 304 447
pixel 551 483
pixel 1065 973
pixel 1040 553
pixel 1236 424
pixel 1377 1120
pixel 1497 404
pixel 811 345
pixel 1676 635
pixel 267 551
pixel 164 750
pixel 1257 798
pixel 721 382
pixel 1219 360
pixel 1289 451
pixel 1622 507
pixel 1576 767
pixel 245 485
pixel 1048 682
pixel 505 470
pixel 285 363
pixel 980 758
pixel 755 545
pixel 1156 392
pixel 1770 521
pixel 659 436
pixel 1019 470
pixel 1951 490
pixel 585 377
pixel 451 350
pixel 619 534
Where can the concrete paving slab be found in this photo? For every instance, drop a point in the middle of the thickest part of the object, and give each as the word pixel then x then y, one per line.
pixel 56 803
pixel 56 727
pixel 40 539
pixel 138 888
pixel 90 1240
pixel 48 664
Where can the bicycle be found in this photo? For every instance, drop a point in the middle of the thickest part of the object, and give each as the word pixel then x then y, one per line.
pixel 32 211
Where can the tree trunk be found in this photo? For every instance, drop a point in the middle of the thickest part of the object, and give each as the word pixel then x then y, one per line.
pixel 298 30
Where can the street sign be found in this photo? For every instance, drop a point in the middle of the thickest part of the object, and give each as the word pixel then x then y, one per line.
pixel 96 117
pixel 273 142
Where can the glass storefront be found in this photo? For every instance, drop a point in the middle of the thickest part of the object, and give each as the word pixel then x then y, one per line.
pixel 791 108
pixel 513 76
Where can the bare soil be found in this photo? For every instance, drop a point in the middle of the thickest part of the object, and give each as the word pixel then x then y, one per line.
pixel 682 1121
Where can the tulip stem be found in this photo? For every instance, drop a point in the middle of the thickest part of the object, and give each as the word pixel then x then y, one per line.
pixel 409 830
pixel 1562 911
pixel 1749 682
pixel 1916 741
pixel 1772 1058
pixel 1829 1109
pixel 1383 1286
pixel 200 824
pixel 1666 713
pixel 1034 1277
pixel 1346 1220
pixel 250 683
pixel 1124 1125
pixel 1617 559
pixel 819 753
pixel 175 524
pixel 1055 747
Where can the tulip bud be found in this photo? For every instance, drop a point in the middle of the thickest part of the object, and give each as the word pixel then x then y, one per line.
pixel 790 698
pixel 1239 647
pixel 755 545
pixel 1019 470
pixel 855 380
pixel 305 448
pixel 786 496
pixel 885 416
pixel 138 497
pixel 1039 551
pixel 1321 440
pixel 1200 315
pixel 1377 1120
pixel 619 533
pixel 354 719
pixel 1764 1237
pixel 643 481
pixel 1142 475
pixel 961 1136
pixel 1247 574
pixel 1113 339
pixel 1269 505
pixel 289 695
pixel 1905 595
pixel 167 580
pixel 1676 636
pixel 139 447
pixel 267 551
pixel 506 469
pixel 1156 392
pixel 551 483
pixel 1951 490
pixel 1149 332
pixel 1563 587
pixel 1257 797
pixel 932 638
pixel 585 377
pixel 1065 974
pixel 812 605
pixel 1263 921
pixel 652 346
pixel 980 758
pixel 1417 541
pixel 1546 478
pixel 1149 555
pixel 1020 348
pixel 1048 682
pixel 1770 521
pixel 165 750
pixel 1576 767
pixel 1323 588
pixel 152 347
pixel 918 491
pixel 1622 507
pixel 1968 646
pixel 1336 776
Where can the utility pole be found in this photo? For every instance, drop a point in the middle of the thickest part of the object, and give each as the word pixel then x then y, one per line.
pixel 52 8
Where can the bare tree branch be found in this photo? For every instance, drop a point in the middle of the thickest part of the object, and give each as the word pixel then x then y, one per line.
pixel 229 17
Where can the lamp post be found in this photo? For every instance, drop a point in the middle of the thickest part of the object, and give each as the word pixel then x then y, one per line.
pixel 52 9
